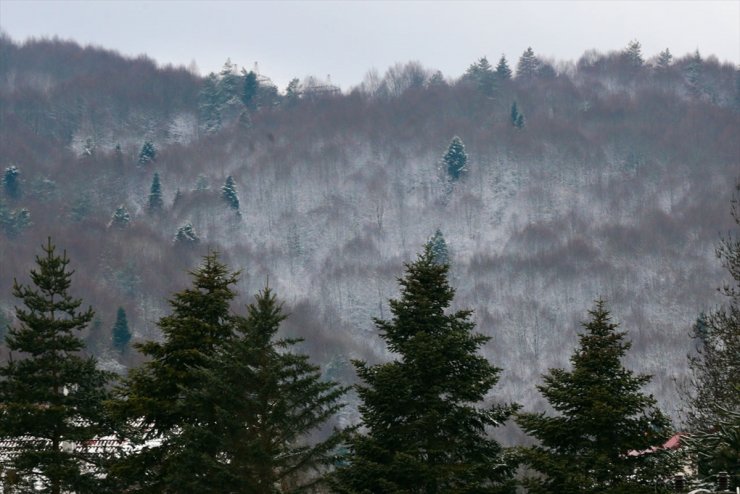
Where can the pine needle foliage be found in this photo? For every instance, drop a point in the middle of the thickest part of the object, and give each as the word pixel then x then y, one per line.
pixel 257 402
pixel 426 429
pixel 604 426
pixel 150 399
pixel 52 397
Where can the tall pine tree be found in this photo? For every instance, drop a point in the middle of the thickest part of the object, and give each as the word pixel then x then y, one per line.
pixel 151 397
pixel 426 430
pixel 257 402
pixel 599 440
pixel 52 397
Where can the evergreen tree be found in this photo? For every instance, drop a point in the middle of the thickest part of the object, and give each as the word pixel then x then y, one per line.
pixel 52 397
pixel 250 90
pixel 121 218
pixel 147 154
pixel 438 246
pixel 256 403
pixel 155 195
pixel 713 402
pixel 482 74
pixel 633 53
pixel 455 159
pixel 228 192
pixel 517 117
pixel 528 66
pixel 605 424
pixel 186 235
pixel 293 91
pixel 11 182
pixel 665 59
pixel 121 333
pixel 152 395
pixel 210 103
pixel 503 72
pixel 425 430
pixel 228 84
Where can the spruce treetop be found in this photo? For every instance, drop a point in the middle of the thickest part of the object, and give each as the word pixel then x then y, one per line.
pixel 603 419
pixel 53 395
pixel 425 429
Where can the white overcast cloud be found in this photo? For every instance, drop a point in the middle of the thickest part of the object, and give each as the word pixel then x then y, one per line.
pixel 347 38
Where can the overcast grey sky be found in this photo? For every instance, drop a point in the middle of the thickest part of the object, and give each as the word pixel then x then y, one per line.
pixel 347 38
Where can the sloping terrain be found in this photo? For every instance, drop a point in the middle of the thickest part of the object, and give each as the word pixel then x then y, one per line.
pixel 617 186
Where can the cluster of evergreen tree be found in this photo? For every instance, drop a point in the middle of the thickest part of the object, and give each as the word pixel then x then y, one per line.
pixel 225 405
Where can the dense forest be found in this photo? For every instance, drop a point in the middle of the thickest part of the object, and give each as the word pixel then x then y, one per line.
pixel 545 185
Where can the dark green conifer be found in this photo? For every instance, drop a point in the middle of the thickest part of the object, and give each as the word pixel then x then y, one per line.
pixel 228 192
pixel 52 397
pixel 256 403
pixel 121 217
pixel 438 246
pixel 425 429
pixel 186 235
pixel 147 154
pixel 503 72
pixel 455 159
pixel 121 333
pixel 250 90
pixel 155 195
pixel 605 424
pixel 151 397
pixel 12 182
pixel 517 117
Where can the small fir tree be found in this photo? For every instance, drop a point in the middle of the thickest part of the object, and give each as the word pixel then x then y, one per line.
pixel 155 195
pixel 228 193
pixel 438 246
pixel 425 430
pixel 121 218
pixel 503 72
pixel 517 117
pixel 455 160
pixel 52 397
pixel 121 336
pixel 11 182
pixel 152 395
pixel 147 154
pixel 605 426
pixel 256 403
pixel 186 235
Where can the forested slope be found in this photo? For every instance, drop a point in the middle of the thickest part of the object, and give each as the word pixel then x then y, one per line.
pixel 615 183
